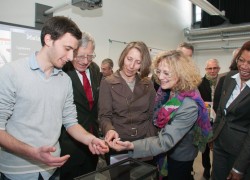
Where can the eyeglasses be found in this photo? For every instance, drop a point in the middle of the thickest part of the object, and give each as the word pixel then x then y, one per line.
pixel 212 68
pixel 166 74
pixel 88 57
pixel 242 61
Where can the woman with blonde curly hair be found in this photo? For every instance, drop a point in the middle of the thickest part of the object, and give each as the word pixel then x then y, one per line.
pixel 181 115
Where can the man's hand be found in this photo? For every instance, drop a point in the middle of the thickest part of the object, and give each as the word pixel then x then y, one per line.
pixel 98 146
pixel 234 176
pixel 43 154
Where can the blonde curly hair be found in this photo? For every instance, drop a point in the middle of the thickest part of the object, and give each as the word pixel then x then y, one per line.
pixel 181 67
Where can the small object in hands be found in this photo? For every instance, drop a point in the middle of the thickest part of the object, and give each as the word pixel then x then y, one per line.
pixel 115 140
pixel 106 143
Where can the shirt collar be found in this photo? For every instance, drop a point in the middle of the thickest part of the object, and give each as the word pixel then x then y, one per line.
pixel 35 66
pixel 238 80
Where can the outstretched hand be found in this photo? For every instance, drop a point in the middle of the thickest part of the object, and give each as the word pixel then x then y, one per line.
pixel 43 154
pixel 119 145
pixel 98 146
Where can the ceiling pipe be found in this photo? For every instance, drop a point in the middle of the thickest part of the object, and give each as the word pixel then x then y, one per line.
pixel 221 35
pixel 216 48
pixel 203 31
pixel 218 40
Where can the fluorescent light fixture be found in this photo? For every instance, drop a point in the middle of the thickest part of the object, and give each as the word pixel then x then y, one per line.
pixel 209 8
pixel 82 4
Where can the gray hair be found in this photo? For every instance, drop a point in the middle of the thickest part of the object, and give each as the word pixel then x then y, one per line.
pixel 213 60
pixel 86 38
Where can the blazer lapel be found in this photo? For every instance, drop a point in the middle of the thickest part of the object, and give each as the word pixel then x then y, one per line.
pixel 78 89
pixel 239 98
pixel 94 83
pixel 228 91
pixel 77 82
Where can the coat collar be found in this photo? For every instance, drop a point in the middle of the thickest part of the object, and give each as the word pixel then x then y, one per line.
pixel 229 90
pixel 142 86
pixel 116 79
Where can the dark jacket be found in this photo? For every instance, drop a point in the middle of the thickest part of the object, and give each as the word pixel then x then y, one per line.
pixel 86 117
pixel 217 93
pixel 205 90
pixel 232 130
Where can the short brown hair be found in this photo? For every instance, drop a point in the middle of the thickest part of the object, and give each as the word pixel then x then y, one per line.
pixel 109 62
pixel 186 45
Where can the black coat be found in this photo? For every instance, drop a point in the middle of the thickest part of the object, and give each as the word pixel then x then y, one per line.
pixel 205 90
pixel 86 117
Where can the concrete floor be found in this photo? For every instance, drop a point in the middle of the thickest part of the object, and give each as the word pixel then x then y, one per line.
pixel 198 168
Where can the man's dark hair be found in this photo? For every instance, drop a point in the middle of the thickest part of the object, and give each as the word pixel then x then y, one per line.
pixel 58 26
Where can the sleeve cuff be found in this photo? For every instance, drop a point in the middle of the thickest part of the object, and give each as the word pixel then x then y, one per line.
pixel 237 172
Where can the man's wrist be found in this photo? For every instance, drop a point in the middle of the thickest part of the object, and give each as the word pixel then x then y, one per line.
pixel 92 140
pixel 236 171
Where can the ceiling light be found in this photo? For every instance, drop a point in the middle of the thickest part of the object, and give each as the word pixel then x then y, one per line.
pixel 209 8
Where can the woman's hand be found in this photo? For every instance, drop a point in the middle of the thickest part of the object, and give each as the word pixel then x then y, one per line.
pixel 118 145
pixel 110 135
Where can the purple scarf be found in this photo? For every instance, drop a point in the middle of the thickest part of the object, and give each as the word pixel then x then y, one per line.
pixel 164 112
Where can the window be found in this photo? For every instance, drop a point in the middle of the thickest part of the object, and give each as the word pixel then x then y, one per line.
pixel 196 16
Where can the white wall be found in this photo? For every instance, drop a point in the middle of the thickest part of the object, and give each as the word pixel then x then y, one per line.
pixel 224 56
pixel 159 23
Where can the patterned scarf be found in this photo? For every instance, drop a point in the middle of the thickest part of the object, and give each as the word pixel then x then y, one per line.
pixel 212 80
pixel 164 113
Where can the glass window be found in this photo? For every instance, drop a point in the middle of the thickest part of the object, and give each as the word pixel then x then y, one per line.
pixel 196 11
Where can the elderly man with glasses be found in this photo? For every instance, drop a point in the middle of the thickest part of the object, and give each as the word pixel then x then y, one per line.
pixel 85 75
pixel 207 88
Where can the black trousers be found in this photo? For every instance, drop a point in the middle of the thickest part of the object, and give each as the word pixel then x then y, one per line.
pixel 206 159
pixel 71 171
pixel 179 170
pixel 223 163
